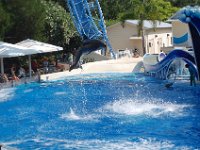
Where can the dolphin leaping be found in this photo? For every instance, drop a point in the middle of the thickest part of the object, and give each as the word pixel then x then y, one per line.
pixel 87 47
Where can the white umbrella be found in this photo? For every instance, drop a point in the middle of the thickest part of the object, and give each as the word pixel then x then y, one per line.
pixel 40 46
pixel 13 50
pixel 8 50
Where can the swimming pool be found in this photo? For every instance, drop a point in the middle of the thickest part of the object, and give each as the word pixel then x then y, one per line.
pixel 101 112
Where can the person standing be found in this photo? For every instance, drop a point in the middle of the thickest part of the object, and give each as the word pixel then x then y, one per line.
pixel 192 74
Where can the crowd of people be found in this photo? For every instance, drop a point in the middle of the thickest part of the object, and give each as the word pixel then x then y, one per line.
pixel 12 75
pixel 44 65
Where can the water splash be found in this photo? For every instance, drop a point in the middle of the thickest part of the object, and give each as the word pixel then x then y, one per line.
pixel 73 116
pixel 6 94
pixel 70 116
pixel 142 107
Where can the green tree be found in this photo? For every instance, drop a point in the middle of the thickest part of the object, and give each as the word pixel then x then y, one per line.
pixel 182 3
pixel 147 10
pixel 28 20
pixel 5 22
pixel 60 2
pixel 59 28
pixel 112 8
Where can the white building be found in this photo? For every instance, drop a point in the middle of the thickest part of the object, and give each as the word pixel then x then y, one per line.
pixel 126 36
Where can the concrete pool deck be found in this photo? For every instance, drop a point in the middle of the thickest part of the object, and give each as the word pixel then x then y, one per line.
pixel 123 65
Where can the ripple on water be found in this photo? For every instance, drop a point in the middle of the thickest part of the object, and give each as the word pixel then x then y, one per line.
pixel 136 144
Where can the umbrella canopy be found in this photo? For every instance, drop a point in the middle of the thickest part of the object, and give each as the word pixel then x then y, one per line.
pixel 13 50
pixel 8 50
pixel 23 48
pixel 39 46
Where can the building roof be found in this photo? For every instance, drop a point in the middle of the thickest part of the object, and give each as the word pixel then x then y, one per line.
pixel 149 24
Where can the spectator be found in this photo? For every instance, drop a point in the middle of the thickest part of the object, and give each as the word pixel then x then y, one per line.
pixel 34 65
pixel 21 72
pixel 45 65
pixel 3 78
pixel 14 77
pixel 192 74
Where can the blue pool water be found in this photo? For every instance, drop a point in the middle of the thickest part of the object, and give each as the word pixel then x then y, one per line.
pixel 101 112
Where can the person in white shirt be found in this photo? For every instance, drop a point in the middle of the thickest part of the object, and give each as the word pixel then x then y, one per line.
pixel 21 72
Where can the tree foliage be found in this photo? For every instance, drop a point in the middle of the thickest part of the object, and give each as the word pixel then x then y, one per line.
pixel 28 20
pixel 152 10
pixel 58 24
pixel 50 21
pixel 5 22
pixel 182 3
pixel 148 9
pixel 112 8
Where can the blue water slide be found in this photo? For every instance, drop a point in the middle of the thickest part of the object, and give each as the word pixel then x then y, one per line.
pixel 191 16
pixel 180 40
pixel 89 27
pixel 161 69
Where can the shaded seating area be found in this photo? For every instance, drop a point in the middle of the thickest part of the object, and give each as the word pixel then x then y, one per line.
pixel 19 63
pixel 45 65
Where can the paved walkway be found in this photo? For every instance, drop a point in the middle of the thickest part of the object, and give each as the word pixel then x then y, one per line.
pixel 125 65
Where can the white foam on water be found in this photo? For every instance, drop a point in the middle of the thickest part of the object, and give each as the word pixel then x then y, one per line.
pixel 73 116
pixel 6 94
pixel 60 93
pixel 6 145
pixel 141 107
pixel 28 90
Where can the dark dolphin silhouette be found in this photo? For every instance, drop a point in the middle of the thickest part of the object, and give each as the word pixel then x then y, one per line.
pixel 87 47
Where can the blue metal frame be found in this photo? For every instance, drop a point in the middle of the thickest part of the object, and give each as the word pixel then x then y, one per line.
pixel 84 22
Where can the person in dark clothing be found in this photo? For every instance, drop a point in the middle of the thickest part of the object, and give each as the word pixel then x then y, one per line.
pixel 192 74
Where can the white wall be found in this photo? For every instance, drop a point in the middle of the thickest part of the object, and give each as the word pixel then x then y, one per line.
pixel 120 38
pixel 156 41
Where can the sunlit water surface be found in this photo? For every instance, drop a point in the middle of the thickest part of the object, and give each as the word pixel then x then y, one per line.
pixel 101 112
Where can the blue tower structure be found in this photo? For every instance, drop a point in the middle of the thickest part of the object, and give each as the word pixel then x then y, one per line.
pixel 88 25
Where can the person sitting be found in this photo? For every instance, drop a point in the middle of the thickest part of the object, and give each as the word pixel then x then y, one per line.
pixel 192 74
pixel 14 77
pixel 21 72
pixel 3 78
